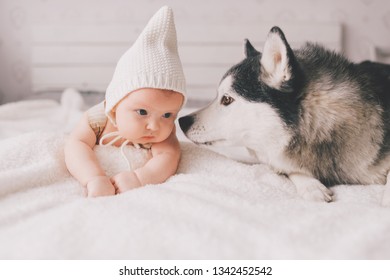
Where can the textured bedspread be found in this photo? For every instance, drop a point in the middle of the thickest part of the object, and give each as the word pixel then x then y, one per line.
pixel 214 208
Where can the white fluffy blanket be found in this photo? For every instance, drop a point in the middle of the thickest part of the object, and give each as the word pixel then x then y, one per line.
pixel 214 208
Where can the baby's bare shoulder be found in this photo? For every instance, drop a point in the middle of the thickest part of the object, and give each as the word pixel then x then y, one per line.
pixel 83 132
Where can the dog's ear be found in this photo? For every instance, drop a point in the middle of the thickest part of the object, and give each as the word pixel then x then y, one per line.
pixel 249 49
pixel 277 61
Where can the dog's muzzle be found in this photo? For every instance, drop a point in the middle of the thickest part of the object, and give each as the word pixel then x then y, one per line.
pixel 186 122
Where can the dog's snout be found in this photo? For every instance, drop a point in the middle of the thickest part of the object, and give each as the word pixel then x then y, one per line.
pixel 186 122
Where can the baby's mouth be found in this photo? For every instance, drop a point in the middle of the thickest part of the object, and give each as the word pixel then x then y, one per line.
pixel 148 137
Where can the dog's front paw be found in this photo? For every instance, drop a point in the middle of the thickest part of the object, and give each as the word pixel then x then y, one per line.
pixel 316 193
pixel 310 188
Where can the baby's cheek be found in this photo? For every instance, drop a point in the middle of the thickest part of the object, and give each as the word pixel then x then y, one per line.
pixel 166 133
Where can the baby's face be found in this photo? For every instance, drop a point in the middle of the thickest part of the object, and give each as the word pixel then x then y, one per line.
pixel 148 115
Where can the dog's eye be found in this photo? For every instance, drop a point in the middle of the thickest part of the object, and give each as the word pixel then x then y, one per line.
pixel 226 100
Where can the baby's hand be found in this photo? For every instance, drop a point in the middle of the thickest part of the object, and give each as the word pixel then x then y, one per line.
pixel 125 181
pixel 100 186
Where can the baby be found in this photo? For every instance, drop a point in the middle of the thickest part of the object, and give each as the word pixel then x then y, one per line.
pixel 141 104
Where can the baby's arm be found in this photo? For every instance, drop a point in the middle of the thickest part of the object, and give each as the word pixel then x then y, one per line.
pixel 82 163
pixel 162 165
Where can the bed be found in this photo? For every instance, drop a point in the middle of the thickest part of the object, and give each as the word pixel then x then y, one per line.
pixel 219 205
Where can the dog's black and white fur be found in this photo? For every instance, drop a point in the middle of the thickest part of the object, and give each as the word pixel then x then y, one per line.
pixel 308 113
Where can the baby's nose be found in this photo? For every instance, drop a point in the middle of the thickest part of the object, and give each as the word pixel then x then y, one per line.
pixel 153 125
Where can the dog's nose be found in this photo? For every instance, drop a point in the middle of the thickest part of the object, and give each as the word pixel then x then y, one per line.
pixel 186 122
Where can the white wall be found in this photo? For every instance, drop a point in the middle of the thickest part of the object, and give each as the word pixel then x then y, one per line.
pixel 366 23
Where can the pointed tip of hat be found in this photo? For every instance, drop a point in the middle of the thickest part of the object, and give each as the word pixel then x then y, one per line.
pixel 165 10
pixel 163 16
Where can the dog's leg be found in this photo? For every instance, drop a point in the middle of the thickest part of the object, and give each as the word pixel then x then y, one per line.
pixel 386 193
pixel 310 188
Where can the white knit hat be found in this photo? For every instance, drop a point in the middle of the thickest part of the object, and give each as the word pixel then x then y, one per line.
pixel 152 62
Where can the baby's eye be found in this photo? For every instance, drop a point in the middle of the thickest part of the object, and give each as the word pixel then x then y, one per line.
pixel 167 115
pixel 142 112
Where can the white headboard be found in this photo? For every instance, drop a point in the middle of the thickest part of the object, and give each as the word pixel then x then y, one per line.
pixel 380 54
pixel 84 57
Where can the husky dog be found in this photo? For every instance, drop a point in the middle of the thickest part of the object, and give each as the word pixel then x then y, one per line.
pixel 308 113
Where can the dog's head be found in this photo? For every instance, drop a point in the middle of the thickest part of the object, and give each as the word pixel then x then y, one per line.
pixel 255 100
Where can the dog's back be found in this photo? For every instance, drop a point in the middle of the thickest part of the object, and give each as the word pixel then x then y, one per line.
pixel 342 134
